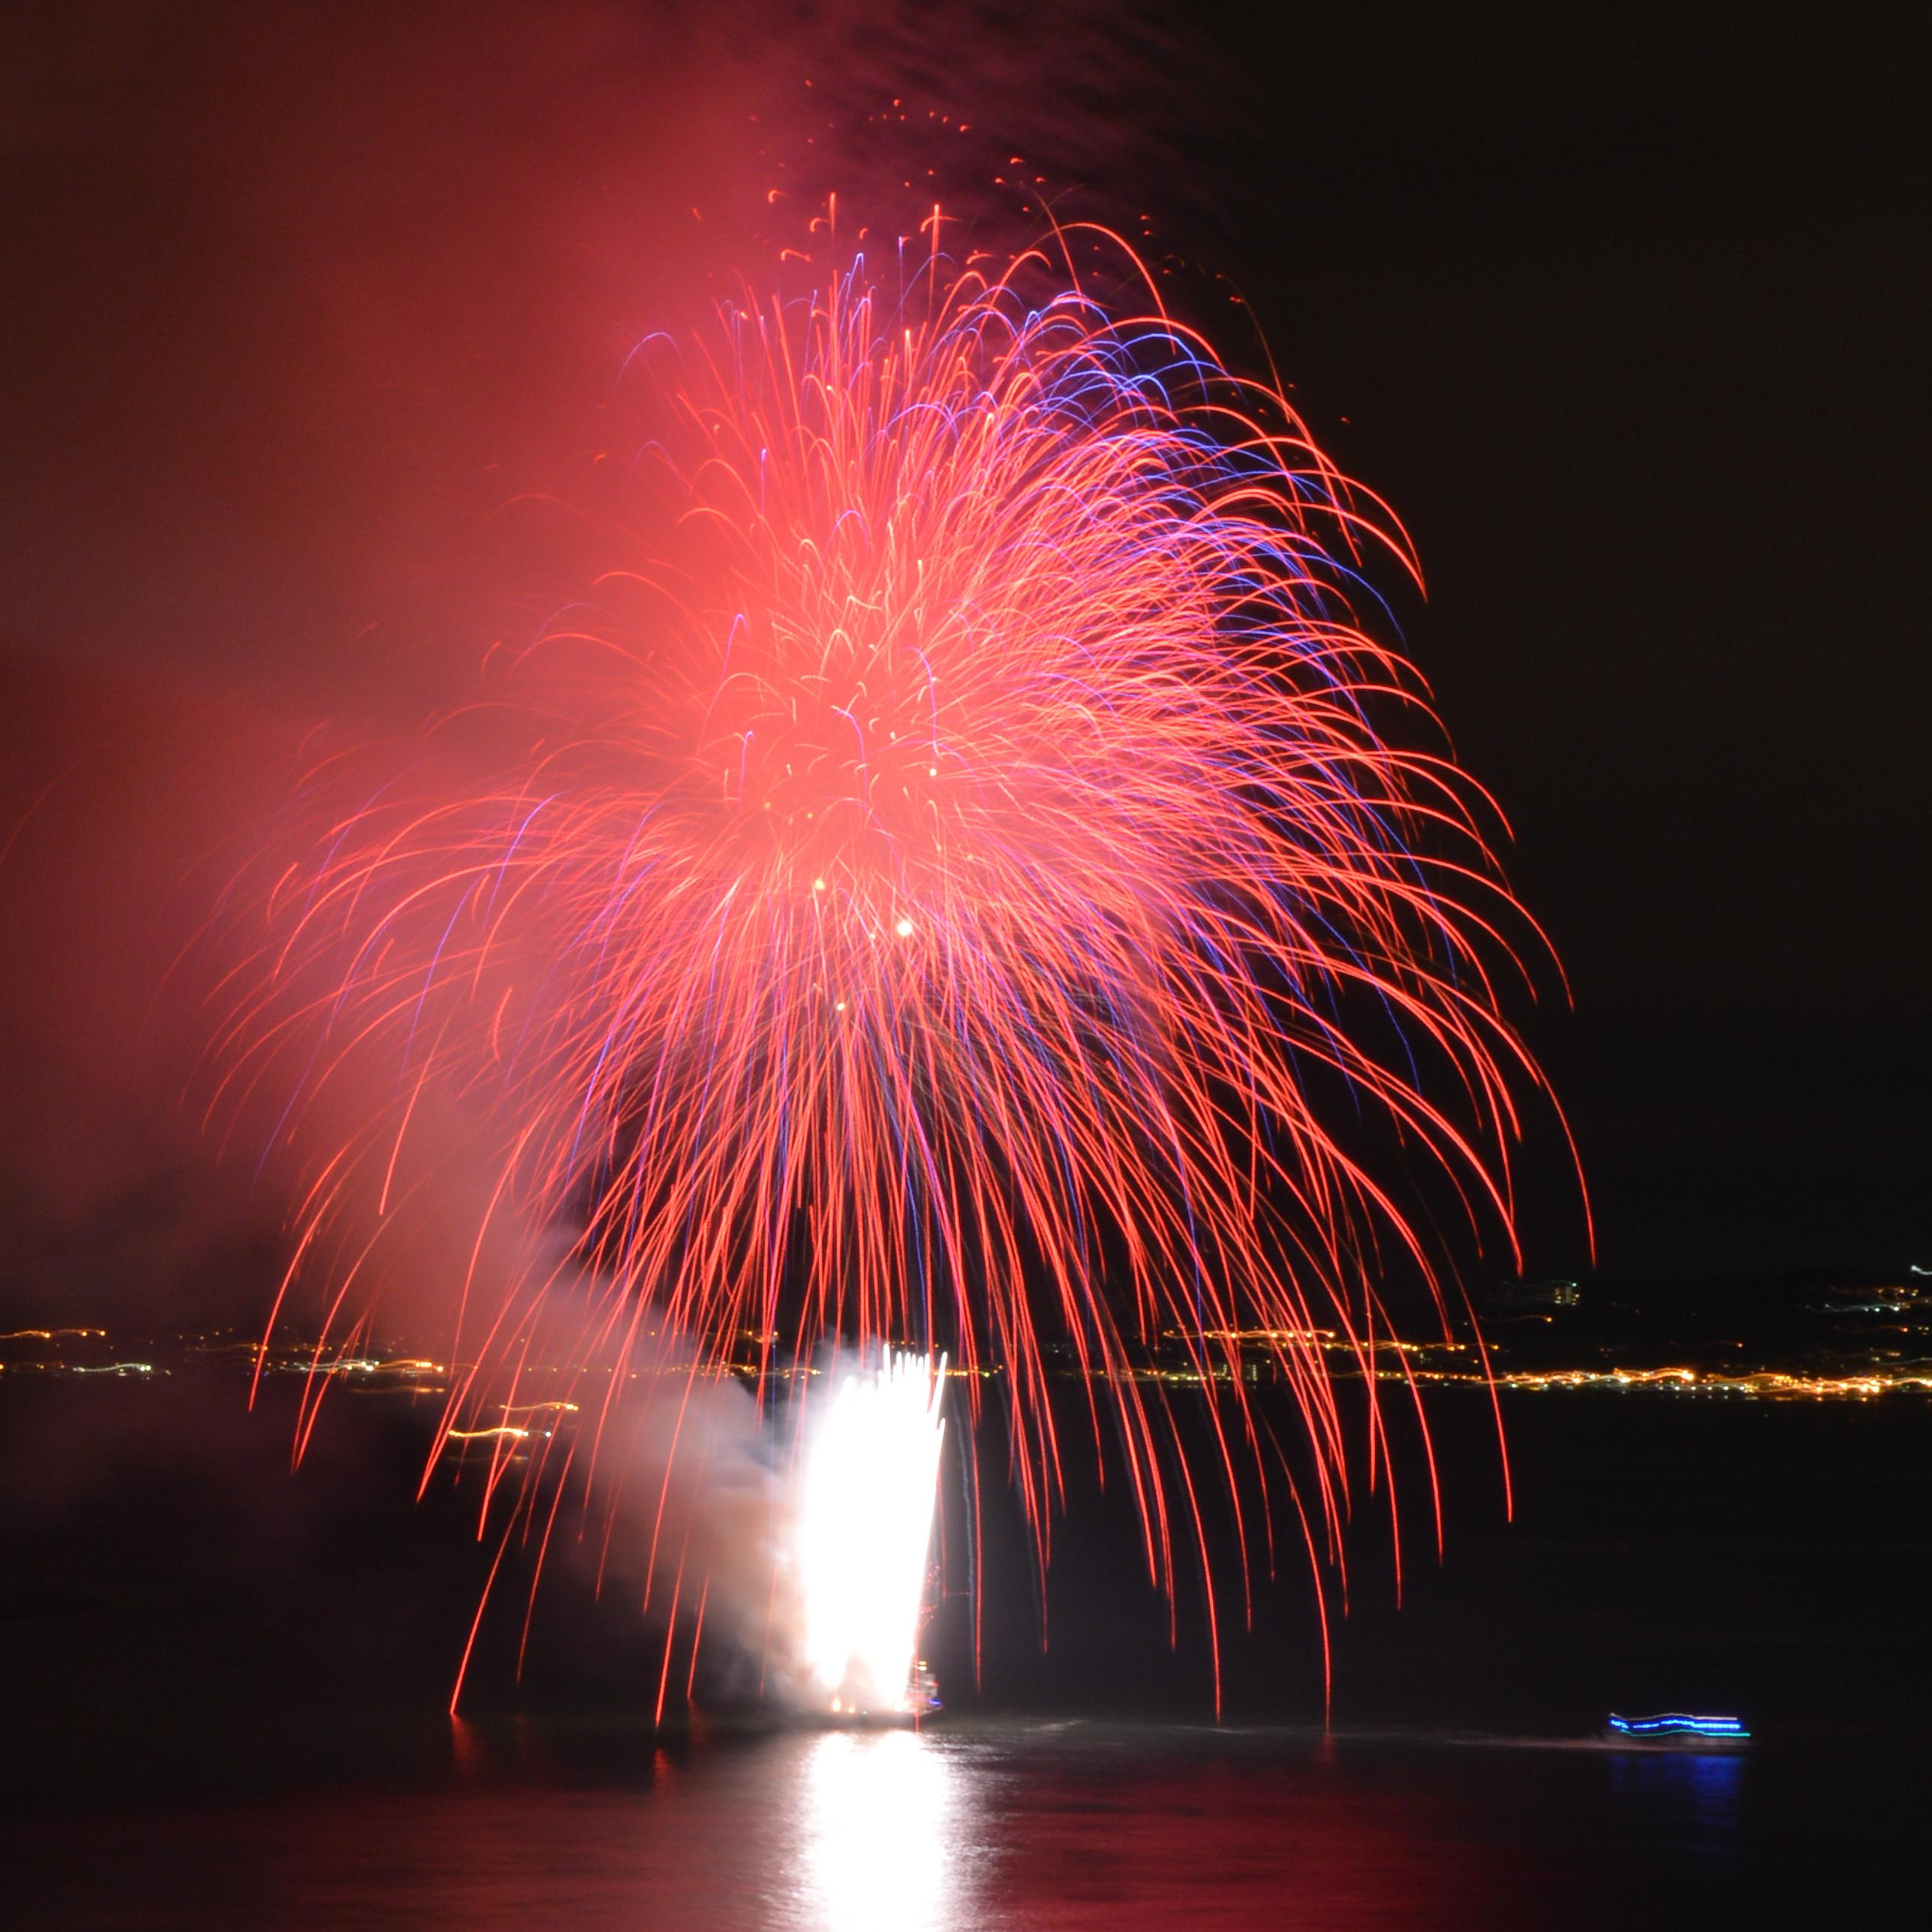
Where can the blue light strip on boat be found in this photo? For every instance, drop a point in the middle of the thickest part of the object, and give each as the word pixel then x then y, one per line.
pixel 1702 1727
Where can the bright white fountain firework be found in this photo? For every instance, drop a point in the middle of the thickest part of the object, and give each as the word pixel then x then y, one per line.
pixel 865 1529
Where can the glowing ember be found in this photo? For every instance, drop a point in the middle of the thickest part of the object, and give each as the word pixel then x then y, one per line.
pixel 865 1526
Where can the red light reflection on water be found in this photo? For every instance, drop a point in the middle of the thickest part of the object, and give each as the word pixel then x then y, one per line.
pixel 1049 1829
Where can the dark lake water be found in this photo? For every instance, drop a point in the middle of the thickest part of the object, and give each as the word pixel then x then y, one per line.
pixel 985 1826
pixel 221 1692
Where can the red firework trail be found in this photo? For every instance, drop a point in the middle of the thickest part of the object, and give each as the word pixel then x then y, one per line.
pixel 968 877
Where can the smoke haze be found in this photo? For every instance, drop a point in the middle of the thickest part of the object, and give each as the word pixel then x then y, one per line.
pixel 319 317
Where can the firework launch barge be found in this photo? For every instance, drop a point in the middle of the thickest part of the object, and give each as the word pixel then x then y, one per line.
pixel 921 1702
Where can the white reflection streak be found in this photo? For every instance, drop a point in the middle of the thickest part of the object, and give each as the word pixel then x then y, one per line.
pixel 879 1832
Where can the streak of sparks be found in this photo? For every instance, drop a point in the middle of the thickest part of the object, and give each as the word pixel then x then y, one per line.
pixel 967 874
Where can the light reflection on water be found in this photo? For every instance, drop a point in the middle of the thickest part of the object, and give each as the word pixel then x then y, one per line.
pixel 877 1828
pixel 1707 1783
pixel 964 1828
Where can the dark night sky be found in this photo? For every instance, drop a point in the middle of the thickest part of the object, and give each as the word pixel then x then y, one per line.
pixel 1628 321
pixel 1626 318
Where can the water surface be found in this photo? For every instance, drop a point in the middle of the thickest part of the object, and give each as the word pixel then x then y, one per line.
pixel 1079 1827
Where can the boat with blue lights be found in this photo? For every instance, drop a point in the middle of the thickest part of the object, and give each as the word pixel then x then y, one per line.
pixel 1676 1730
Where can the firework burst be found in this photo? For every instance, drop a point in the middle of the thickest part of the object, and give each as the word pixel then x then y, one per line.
pixel 966 878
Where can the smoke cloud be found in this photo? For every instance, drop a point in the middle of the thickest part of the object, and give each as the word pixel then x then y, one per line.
pixel 321 315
